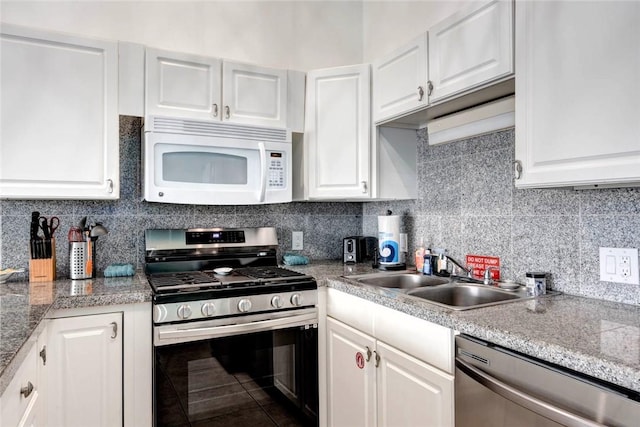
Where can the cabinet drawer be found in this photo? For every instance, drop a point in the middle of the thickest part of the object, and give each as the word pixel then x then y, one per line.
pixel 421 339
pixel 14 405
pixel 355 312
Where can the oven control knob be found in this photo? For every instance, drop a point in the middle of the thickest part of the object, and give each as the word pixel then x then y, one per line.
pixel 296 300
pixel 276 302
pixel 208 309
pixel 184 311
pixel 244 305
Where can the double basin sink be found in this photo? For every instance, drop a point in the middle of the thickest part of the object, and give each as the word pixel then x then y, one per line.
pixel 451 293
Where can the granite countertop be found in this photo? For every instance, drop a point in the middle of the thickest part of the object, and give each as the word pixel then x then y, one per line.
pixel 595 337
pixel 23 306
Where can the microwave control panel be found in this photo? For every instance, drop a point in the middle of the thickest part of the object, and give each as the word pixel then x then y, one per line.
pixel 276 170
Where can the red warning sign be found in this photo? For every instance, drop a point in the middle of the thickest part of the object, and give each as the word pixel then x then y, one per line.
pixel 360 360
pixel 479 263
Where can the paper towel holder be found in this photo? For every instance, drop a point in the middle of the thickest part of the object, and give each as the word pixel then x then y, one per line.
pixel 389 241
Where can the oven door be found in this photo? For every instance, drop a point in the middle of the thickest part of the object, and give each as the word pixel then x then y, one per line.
pixel 262 371
pixel 196 169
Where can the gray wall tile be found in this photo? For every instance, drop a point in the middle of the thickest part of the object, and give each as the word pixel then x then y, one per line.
pixel 550 244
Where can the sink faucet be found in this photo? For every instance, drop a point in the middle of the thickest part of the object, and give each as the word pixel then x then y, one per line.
pixel 488 280
pixel 456 265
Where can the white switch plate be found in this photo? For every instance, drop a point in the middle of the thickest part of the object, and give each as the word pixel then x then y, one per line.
pixel 619 265
pixel 297 242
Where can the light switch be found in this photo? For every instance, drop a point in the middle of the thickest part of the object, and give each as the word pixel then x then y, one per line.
pixel 611 264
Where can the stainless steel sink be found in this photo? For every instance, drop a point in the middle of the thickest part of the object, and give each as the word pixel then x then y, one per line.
pixel 459 296
pixel 401 280
pixel 454 293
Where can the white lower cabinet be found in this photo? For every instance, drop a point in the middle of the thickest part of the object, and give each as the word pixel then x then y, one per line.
pixel 99 372
pixel 23 402
pixel 385 368
pixel 351 388
pixel 85 370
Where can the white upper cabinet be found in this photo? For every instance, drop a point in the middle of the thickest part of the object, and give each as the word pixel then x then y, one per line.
pixel 254 95
pixel 471 48
pixel 59 116
pixel 400 80
pixel 182 85
pixel 197 87
pixel 577 85
pixel 337 133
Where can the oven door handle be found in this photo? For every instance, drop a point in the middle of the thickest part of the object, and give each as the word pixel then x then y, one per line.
pixel 263 172
pixel 190 334
pixel 521 398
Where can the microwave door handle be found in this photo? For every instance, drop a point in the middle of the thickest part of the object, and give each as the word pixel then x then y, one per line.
pixel 263 172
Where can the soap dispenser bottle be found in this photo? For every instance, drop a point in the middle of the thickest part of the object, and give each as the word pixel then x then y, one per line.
pixel 419 260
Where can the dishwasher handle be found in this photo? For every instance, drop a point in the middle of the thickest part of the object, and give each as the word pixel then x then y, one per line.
pixel 538 406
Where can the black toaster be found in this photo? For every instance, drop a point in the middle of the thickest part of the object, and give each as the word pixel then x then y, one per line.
pixel 359 249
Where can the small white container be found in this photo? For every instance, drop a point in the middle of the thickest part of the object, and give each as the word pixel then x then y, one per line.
pixel 536 283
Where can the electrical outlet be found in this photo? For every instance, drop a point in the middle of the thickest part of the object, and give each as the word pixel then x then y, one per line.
pixel 297 241
pixel 619 265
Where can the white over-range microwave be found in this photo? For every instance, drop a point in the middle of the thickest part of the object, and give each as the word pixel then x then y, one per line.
pixel 208 163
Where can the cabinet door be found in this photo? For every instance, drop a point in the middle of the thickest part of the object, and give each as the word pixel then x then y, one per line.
pixel 254 95
pixel 85 370
pixel 351 385
pixel 182 85
pixel 19 407
pixel 59 116
pixel 471 48
pixel 577 107
pixel 400 80
pixel 337 149
pixel 411 392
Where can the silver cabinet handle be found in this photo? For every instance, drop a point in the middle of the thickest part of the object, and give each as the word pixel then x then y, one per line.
pixel 214 110
pixel 368 354
pixel 364 186
pixel 514 395
pixel 377 357
pixel 429 88
pixel 420 93
pixel 43 354
pixel 110 185
pixel 517 169
pixel 114 327
pixel 26 391
pixel 227 112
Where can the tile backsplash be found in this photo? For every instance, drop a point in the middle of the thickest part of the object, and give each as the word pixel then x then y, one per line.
pixel 467 204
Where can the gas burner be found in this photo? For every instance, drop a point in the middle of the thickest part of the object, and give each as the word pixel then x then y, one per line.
pixel 165 282
pixel 267 272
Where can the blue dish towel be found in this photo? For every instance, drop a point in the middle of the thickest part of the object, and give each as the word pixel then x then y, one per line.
pixel 293 259
pixel 117 270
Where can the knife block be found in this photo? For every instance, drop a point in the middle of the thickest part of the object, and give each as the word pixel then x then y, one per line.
pixel 44 270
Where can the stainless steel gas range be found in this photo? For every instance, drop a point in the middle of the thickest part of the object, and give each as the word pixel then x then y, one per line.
pixel 235 336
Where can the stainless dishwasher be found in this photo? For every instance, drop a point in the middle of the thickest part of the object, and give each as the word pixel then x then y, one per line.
pixel 497 387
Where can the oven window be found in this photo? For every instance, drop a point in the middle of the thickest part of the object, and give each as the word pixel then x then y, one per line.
pixel 204 168
pixel 260 379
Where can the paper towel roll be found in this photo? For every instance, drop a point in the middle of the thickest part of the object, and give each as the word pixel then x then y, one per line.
pixel 389 239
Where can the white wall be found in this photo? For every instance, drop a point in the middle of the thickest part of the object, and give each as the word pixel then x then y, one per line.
pixel 391 23
pixel 299 35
